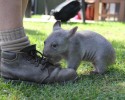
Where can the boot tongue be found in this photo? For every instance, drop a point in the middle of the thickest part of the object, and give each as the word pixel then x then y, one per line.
pixel 29 48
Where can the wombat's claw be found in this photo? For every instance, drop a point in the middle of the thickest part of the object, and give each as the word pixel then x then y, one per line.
pixel 94 72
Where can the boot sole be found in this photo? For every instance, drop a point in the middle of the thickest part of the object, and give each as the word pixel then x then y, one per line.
pixel 33 83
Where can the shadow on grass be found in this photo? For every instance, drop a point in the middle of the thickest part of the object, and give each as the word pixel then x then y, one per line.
pixel 100 23
pixel 76 23
pixel 112 74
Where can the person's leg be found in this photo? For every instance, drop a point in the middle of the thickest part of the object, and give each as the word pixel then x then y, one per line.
pixel 12 33
pixel 24 5
pixel 11 9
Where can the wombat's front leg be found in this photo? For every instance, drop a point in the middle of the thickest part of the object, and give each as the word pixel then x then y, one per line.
pixel 73 62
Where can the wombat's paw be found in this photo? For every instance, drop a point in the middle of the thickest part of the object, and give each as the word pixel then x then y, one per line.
pixel 93 72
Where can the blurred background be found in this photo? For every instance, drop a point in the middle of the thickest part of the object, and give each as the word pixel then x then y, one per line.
pixel 93 10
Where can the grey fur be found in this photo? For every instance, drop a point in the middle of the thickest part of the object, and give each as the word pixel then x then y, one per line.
pixel 77 46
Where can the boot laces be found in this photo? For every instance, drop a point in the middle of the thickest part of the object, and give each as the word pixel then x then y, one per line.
pixel 37 57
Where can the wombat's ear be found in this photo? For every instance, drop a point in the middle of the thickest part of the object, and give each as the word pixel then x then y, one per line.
pixel 57 25
pixel 72 32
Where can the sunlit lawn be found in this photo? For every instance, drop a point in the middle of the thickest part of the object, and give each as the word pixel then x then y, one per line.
pixel 110 86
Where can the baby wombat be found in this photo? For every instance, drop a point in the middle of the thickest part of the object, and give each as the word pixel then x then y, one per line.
pixel 77 46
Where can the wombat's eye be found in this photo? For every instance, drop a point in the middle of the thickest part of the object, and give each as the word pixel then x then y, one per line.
pixel 54 45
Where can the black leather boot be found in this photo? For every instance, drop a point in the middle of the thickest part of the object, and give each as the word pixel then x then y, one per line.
pixel 26 65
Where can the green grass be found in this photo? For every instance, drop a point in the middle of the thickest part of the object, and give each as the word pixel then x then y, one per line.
pixel 110 86
pixel 36 16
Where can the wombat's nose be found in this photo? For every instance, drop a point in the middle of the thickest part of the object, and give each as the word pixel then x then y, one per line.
pixel 45 53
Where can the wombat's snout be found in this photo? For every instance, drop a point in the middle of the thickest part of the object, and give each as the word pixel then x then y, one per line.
pixel 45 53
